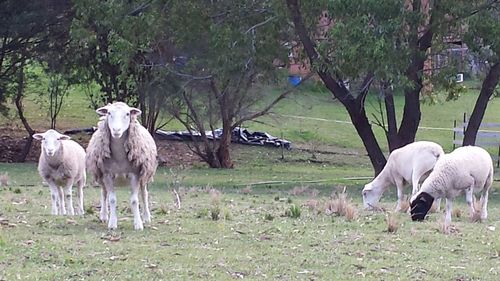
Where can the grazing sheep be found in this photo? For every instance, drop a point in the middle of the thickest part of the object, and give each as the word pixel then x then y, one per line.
pixel 61 164
pixel 410 163
pixel 122 151
pixel 467 169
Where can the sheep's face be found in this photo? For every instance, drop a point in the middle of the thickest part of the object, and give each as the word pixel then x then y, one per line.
pixel 371 196
pixel 118 116
pixel 420 206
pixel 51 141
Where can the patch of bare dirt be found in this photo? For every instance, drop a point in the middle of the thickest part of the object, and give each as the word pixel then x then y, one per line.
pixel 13 140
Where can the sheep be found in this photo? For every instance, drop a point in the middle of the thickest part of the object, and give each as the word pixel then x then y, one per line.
pixel 121 151
pixel 62 164
pixel 467 169
pixel 410 163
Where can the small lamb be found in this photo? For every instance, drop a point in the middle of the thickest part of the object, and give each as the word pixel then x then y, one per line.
pixel 122 152
pixel 467 169
pixel 410 163
pixel 61 164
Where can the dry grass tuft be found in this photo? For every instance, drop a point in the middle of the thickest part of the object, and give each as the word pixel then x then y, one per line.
pixel 215 196
pixel 313 204
pixel 405 204
pixel 350 212
pixel 392 222
pixel 299 190
pixel 476 217
pixel 4 179
pixel 451 229
pixel 337 204
pixel 304 190
pixel 340 205
pixel 477 205
pixel 456 212
pixel 247 190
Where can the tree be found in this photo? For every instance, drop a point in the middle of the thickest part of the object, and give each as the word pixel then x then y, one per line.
pixel 384 41
pixel 115 42
pixel 28 29
pixel 224 50
pixel 484 36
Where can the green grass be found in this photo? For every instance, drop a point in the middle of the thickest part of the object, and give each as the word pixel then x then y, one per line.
pixel 253 238
pixel 257 229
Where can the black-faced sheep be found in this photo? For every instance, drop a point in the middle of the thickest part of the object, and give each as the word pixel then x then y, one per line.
pixel 122 151
pixel 62 164
pixel 467 169
pixel 410 163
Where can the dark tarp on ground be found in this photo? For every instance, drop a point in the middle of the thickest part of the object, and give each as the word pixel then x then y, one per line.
pixel 239 135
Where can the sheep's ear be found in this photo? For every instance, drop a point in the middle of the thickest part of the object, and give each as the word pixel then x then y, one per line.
pixel 64 137
pixel 135 111
pixel 102 110
pixel 38 136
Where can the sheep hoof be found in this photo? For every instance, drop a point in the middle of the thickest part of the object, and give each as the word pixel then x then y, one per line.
pixel 112 225
pixel 138 226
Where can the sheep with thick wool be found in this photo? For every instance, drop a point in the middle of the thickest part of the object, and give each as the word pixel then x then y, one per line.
pixel 410 163
pixel 468 170
pixel 61 165
pixel 120 152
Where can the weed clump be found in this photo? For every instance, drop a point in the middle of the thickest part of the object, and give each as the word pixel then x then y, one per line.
pixel 294 212
pixel 215 198
pixel 340 205
pixel 392 223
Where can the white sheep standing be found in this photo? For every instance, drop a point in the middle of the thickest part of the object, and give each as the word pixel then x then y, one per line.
pixel 410 163
pixel 467 169
pixel 62 164
pixel 122 151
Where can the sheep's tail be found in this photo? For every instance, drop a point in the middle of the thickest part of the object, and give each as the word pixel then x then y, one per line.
pixel 438 153
pixel 489 180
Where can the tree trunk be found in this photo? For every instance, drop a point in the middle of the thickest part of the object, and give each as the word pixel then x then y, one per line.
pixel 365 132
pixel 487 89
pixel 20 111
pixel 223 152
pixel 354 106
pixel 392 127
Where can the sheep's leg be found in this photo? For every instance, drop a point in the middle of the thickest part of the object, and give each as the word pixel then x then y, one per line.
pixel 103 214
pixel 54 196
pixel 68 196
pixel 438 204
pixel 399 186
pixel 447 217
pixel 469 198
pixel 110 190
pixel 62 208
pixel 484 207
pixel 146 214
pixel 134 202
pixel 80 210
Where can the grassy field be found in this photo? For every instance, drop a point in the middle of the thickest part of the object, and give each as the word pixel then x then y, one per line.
pixel 237 233
pixel 251 227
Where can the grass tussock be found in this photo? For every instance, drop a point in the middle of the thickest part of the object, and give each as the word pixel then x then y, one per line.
pixel 313 205
pixel 340 205
pixel 304 191
pixel 215 200
pixel 4 179
pixel 405 204
pixel 392 222
pixel 247 190
pixel 293 212
pixel 456 213
pixel 477 205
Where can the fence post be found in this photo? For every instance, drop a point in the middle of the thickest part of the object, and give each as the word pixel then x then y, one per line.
pixel 454 133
